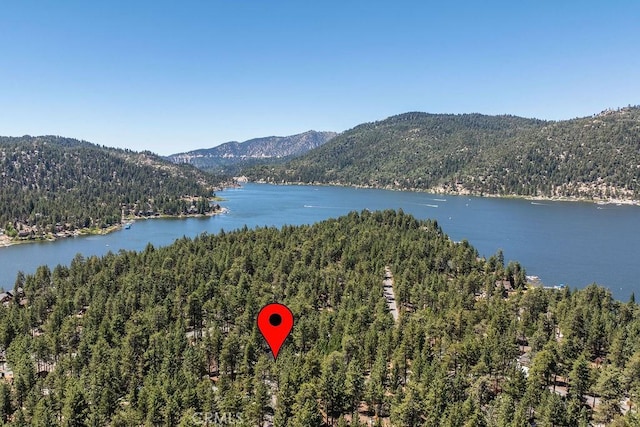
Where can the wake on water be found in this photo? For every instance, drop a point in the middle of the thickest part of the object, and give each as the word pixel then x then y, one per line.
pixel 320 207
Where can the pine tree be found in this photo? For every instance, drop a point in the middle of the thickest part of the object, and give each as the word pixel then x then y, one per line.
pixel 6 407
pixel 332 384
pixel 75 408
pixel 609 388
pixel 305 409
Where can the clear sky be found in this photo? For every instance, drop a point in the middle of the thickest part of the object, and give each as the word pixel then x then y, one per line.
pixel 171 76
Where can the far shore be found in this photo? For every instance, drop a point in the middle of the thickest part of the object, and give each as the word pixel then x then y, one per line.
pixel 442 191
pixel 6 241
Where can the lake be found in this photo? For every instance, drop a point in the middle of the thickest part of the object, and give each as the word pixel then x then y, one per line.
pixel 568 243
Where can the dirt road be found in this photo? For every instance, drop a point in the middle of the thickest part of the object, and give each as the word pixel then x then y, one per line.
pixel 389 295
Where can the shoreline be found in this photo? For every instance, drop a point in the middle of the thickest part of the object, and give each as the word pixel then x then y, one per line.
pixel 441 191
pixel 6 241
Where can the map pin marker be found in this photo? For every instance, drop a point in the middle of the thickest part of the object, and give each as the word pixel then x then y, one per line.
pixel 275 322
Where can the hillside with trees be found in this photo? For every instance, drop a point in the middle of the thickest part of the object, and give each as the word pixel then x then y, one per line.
pixel 595 157
pixel 229 158
pixel 168 336
pixel 51 185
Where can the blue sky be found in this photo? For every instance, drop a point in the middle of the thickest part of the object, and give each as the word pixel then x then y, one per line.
pixel 171 76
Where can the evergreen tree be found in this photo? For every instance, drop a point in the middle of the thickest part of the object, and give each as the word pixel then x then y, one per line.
pixel 305 409
pixel 75 408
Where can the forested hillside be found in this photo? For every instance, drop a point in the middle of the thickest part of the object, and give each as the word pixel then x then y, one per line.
pixel 592 157
pixel 50 185
pixel 168 336
pixel 229 158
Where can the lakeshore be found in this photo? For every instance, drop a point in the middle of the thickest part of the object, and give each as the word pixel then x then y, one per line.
pixel 446 192
pixel 6 241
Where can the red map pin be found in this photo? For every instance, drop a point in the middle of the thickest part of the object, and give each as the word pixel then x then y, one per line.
pixel 275 322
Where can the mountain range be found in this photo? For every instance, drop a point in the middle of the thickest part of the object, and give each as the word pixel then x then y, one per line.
pixel 230 157
pixel 594 157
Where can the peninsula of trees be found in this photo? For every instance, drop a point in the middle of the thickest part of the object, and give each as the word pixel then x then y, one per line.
pixel 51 186
pixel 595 157
pixel 168 336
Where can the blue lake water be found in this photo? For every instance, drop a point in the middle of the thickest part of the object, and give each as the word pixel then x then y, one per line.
pixel 563 243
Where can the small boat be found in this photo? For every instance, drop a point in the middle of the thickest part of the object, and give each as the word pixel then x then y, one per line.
pixel 127 226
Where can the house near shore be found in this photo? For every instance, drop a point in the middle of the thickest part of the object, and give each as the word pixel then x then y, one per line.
pixel 6 297
pixel 5 371
pixel 506 285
